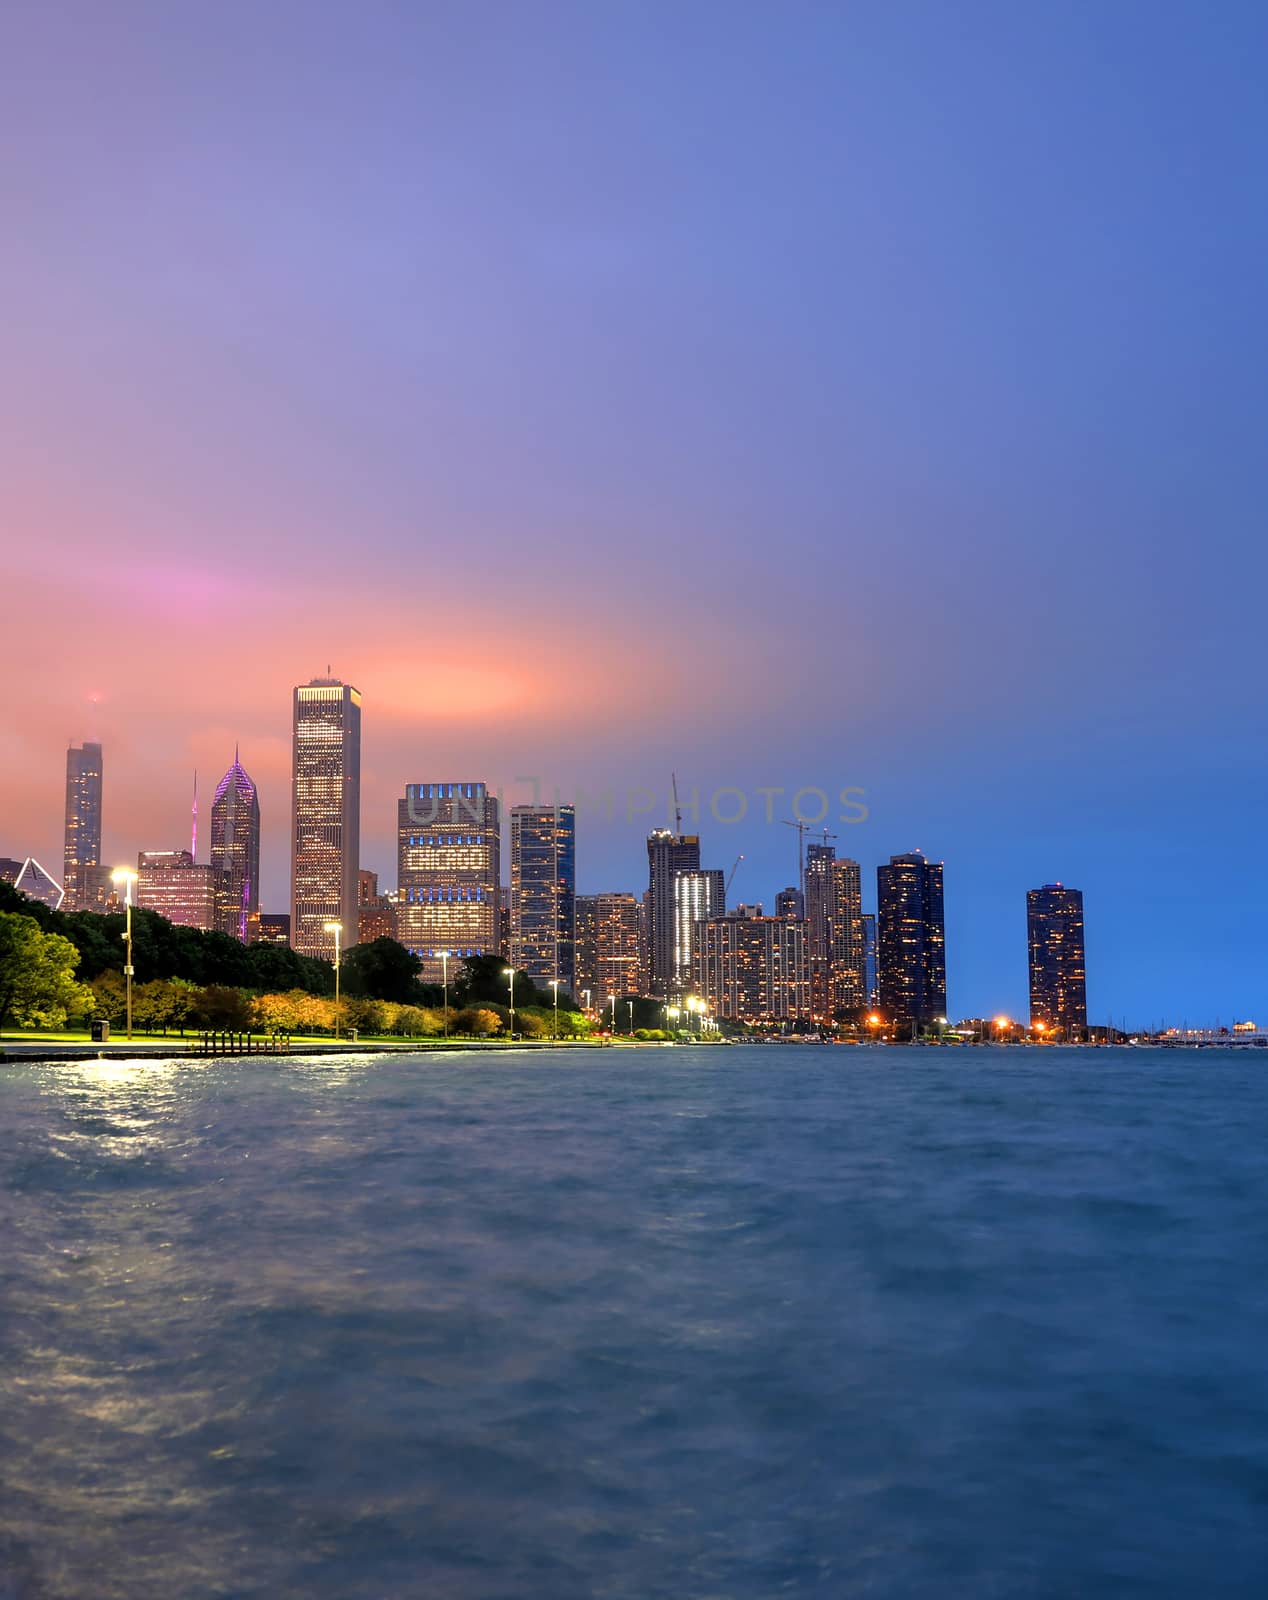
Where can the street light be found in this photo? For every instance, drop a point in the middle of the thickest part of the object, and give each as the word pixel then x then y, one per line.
pixel 941 1024
pixel 630 1003
pixel 127 877
pixel 874 1022
pixel 509 975
pixel 444 968
pixel 671 1015
pixel 554 983
pixel 612 1003
pixel 337 929
pixel 1001 1025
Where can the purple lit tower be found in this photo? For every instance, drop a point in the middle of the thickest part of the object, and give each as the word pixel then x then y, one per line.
pixel 235 851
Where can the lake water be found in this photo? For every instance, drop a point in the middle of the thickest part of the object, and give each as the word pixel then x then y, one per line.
pixel 730 1323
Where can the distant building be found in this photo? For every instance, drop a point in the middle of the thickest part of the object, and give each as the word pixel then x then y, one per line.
pixel 667 854
pixel 274 927
pixel 376 922
pixel 911 942
pixel 753 968
pixel 448 863
pixel 607 946
pixel 367 887
pixel 170 883
pixel 83 824
pixel 645 943
pixel 790 902
pixel 846 950
pixel 819 861
pixel 326 814
pixel 543 893
pixel 235 851
pixel 36 884
pixel 9 869
pixel 871 980
pixel 1058 968
pixel 698 895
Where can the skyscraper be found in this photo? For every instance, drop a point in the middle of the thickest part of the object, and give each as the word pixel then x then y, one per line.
pixel 607 946
pixel 448 862
pixel 790 902
pixel 544 893
pixel 1058 970
pixel 170 883
pixel 819 860
pixel 235 851
pixel 699 894
pixel 871 981
pixel 753 968
pixel 911 942
pixel 325 815
pixel 667 854
pixel 83 826
pixel 846 955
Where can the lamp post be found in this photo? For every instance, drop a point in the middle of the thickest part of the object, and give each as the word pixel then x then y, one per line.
pixel 630 1003
pixel 444 968
pixel 127 878
pixel 554 984
pixel 941 1022
pixel 1002 1025
pixel 510 978
pixel 337 929
pixel 671 1016
pixel 874 1023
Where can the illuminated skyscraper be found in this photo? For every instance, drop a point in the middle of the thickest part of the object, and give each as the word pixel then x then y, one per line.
pixel 871 982
pixel 235 851
pixel 83 827
pixel 170 883
pixel 325 814
pixel 698 895
pixel 607 946
pixel 847 955
pixel 911 942
pixel 544 892
pixel 667 853
pixel 1058 970
pixel 752 968
pixel 819 860
pixel 448 860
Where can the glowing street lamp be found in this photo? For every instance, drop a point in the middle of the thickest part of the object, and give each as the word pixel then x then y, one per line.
pixel 671 1015
pixel 1002 1024
pixel 612 1003
pixel 509 974
pixel 127 878
pixel 337 929
pixel 874 1022
pixel 444 978
pixel 554 983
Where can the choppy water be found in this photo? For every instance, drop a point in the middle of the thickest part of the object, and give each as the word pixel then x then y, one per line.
pixel 666 1323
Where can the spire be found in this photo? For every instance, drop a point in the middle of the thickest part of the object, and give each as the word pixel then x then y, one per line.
pixel 193 843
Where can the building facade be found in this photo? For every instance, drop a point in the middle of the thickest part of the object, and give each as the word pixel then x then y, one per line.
pixel 790 902
pixel 170 883
pixel 1058 966
pixel 325 814
pixel 819 917
pixel 846 952
pixel 235 852
pixel 871 979
pixel 698 895
pixel 82 849
pixel 911 943
pixel 448 863
pixel 273 927
pixel 753 968
pixel 36 884
pixel 608 939
pixel 544 893
pixel 667 854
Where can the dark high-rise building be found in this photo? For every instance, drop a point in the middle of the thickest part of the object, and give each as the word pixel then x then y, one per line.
pixel 544 893
pixel 367 887
pixel 448 863
pixel 911 942
pixel 698 895
pixel 1058 969
pixel 326 815
pixel 667 853
pixel 235 851
pixel 607 946
pixel 871 980
pixel 790 902
pixel 9 869
pixel 819 860
pixel 848 978
pixel 83 826
pixel 273 927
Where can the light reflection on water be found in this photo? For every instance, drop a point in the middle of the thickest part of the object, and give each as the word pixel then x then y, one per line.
pixel 741 1325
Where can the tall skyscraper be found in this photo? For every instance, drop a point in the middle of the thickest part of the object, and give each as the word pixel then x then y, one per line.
pixel 871 979
pixel 847 974
pixel 235 851
pixel 544 893
pixel 911 942
pixel 667 853
pixel 1058 969
pixel 753 968
pixel 170 883
pixel 790 902
pixel 448 863
pixel 699 894
pixel 325 814
pixel 607 946
pixel 819 860
pixel 83 827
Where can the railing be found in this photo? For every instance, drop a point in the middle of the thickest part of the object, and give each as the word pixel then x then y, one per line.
pixel 216 1043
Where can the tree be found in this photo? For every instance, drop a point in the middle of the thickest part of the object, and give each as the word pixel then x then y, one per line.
pixel 382 970
pixel 483 978
pixel 220 1007
pixel 37 974
pixel 477 1020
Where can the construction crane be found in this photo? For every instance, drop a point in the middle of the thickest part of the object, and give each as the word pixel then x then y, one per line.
pixel 731 879
pixel 673 778
pixel 803 828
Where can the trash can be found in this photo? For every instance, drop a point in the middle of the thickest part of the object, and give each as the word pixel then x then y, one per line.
pixel 100 1031
pixel 352 1036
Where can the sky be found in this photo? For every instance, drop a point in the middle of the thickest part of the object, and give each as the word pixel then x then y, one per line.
pixel 799 396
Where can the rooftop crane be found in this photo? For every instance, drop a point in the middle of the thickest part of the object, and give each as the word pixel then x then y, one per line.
pixel 731 878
